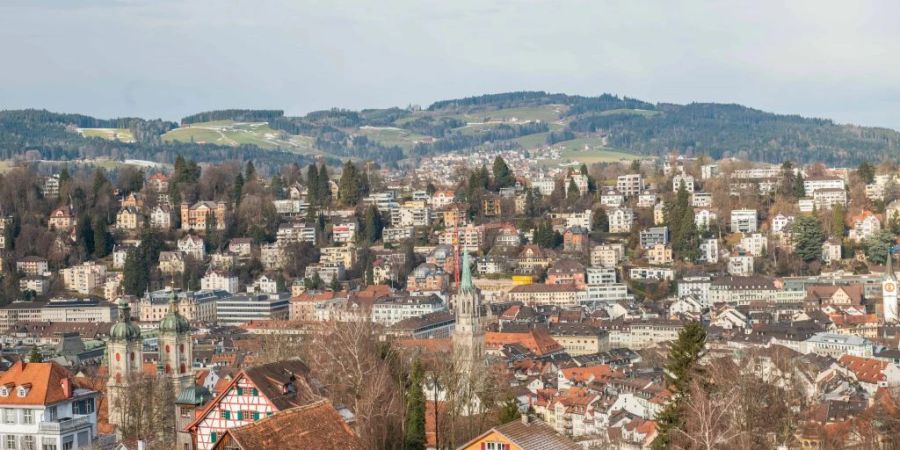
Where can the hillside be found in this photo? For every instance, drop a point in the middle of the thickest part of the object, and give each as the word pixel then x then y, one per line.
pixel 516 120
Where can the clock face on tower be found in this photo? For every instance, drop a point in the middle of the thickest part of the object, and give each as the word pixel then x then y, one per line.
pixel 890 287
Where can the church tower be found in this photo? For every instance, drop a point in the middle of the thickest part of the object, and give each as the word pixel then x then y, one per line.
pixel 889 291
pixel 125 354
pixel 468 334
pixel 175 348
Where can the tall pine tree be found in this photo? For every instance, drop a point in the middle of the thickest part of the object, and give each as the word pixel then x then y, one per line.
pixel 323 189
pixel 414 438
pixel 503 176
pixel 312 185
pixel 681 369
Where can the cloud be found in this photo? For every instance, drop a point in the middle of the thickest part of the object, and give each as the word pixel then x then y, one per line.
pixel 171 58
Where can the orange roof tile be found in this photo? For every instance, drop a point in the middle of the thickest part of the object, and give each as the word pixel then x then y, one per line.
pixel 866 370
pixel 537 340
pixel 49 383
pixel 590 373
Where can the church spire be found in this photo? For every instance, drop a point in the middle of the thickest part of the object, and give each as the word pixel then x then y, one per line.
pixel 466 283
pixel 889 271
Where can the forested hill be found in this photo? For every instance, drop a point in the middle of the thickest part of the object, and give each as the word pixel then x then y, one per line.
pixel 515 120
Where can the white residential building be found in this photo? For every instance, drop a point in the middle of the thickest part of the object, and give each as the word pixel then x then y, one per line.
pixel 607 255
pixel 680 178
pixel 864 226
pixel 218 281
pixel 709 250
pixel 621 220
pixel 343 232
pixel 827 198
pixel 740 265
pixel 84 278
pixel 263 285
pixel 703 218
pixel 193 246
pixel 780 223
pixel 743 221
pixel 701 200
pixel 813 184
pixel 391 310
pixel 43 409
pixel 630 185
pixel 755 244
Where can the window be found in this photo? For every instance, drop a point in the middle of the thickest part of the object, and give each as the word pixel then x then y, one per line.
pixel 51 416
pixel 240 391
pixel 212 437
pixel 48 443
pixel 254 392
pixel 226 414
pixel 240 415
pixel 82 407
pixel 28 416
pixel 255 415
pixel 9 416
pixel 4 392
pixel 27 442
pixel 11 441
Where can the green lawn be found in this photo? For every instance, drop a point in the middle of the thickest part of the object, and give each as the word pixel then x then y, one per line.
pixel 229 132
pixel 598 155
pixel 112 134
pixel 389 137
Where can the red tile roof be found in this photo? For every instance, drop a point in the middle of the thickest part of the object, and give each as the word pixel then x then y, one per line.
pixel 317 425
pixel 47 383
pixel 537 340
pixel 866 370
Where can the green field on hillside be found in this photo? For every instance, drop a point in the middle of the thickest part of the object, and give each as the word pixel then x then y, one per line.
pixel 391 136
pixel 544 113
pixel 226 132
pixel 112 134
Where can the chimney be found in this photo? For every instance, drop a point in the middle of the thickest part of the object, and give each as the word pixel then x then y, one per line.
pixel 66 385
pixel 525 419
pixel 141 445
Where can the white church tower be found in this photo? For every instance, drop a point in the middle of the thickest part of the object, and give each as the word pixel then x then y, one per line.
pixel 889 291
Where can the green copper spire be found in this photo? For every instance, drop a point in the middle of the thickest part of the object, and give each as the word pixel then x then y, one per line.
pixel 466 283
pixel 889 271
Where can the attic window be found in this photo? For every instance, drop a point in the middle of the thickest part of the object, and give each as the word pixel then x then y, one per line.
pixel 4 392
pixel 22 391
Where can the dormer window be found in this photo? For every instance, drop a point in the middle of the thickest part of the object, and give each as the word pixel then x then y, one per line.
pixel 22 390
pixel 4 392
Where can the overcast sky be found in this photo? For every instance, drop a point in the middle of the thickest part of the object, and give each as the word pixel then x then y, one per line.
pixel 170 58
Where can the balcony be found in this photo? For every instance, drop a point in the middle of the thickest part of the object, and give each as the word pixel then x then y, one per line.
pixel 64 425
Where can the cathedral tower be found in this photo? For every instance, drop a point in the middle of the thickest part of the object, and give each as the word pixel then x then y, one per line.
pixel 175 347
pixel 468 334
pixel 125 354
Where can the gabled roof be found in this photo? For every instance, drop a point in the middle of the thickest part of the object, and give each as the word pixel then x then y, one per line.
pixel 866 370
pixel 534 435
pixel 271 380
pixel 47 383
pixel 316 425
pixel 537 340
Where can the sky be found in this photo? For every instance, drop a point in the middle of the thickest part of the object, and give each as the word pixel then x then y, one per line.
pixel 171 58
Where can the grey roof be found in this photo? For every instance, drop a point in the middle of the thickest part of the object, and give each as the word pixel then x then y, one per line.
pixel 193 395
